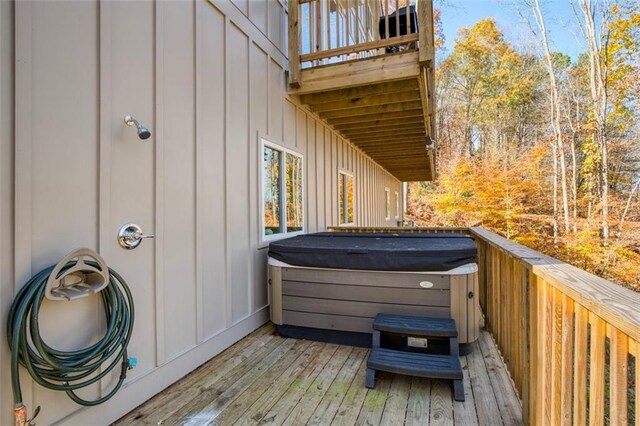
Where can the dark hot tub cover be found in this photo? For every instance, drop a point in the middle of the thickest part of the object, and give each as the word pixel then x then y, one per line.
pixel 378 252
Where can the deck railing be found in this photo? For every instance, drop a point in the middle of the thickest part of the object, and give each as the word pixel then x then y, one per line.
pixel 328 31
pixel 569 339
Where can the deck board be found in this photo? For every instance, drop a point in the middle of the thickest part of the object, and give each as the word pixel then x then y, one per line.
pixel 266 379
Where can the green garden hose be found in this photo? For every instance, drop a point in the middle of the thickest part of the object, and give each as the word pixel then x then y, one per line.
pixel 69 370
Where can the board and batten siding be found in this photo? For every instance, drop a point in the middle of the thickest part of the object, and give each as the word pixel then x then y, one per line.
pixel 6 200
pixel 208 79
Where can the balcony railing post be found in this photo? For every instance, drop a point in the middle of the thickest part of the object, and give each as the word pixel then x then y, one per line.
pixel 425 33
pixel 294 43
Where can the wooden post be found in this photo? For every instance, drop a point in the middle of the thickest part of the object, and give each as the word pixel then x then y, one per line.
pixel 294 44
pixel 425 31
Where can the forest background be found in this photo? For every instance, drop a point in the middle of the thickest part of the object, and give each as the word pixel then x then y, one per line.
pixel 539 147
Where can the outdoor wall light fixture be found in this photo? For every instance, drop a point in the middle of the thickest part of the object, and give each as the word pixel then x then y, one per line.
pixel 430 143
pixel 143 132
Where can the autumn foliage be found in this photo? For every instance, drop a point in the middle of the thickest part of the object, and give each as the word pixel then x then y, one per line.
pixel 499 153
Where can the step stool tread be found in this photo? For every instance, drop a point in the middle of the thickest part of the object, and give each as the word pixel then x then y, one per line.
pixel 415 326
pixel 415 364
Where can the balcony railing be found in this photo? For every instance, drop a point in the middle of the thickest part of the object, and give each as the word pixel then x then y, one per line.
pixel 328 31
pixel 569 339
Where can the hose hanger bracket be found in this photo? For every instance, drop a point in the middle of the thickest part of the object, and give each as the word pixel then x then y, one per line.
pixel 69 281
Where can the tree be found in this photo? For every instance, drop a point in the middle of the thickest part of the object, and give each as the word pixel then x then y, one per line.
pixel 555 117
pixel 597 38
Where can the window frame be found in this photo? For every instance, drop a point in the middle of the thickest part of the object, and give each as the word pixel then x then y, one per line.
pixel 342 172
pixel 387 204
pixel 397 205
pixel 268 143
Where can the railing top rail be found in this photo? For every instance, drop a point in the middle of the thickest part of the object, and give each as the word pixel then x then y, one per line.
pixel 617 305
pixel 398 229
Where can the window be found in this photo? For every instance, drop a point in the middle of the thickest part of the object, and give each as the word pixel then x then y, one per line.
pixel 387 204
pixel 345 198
pixel 397 205
pixel 282 191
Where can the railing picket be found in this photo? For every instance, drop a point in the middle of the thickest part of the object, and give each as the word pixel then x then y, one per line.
pixel 556 359
pixel 386 19
pixel 407 5
pixel 374 9
pixel 619 368
pixel 580 367
pixel 348 24
pixel 636 355
pixel 536 389
pixel 596 370
pixel 567 359
pixel 548 347
pixel 318 27
pixel 517 306
pixel 397 20
pixel 310 26
pixel 357 22
pixel 328 22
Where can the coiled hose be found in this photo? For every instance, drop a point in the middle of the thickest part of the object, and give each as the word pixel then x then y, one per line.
pixel 69 370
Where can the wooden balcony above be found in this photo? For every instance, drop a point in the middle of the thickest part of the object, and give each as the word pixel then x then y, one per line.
pixel 376 91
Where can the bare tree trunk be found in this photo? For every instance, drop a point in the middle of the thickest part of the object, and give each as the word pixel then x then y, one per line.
pixel 574 181
pixel 633 191
pixel 571 97
pixel 599 98
pixel 554 150
pixel 555 112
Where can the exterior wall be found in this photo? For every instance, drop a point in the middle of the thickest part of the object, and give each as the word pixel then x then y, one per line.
pixel 208 80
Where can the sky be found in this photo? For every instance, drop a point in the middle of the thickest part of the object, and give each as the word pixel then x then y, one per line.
pixel 559 17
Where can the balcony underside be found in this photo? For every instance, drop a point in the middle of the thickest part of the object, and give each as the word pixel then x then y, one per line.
pixel 380 104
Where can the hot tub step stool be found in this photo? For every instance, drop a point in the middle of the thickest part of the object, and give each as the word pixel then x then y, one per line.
pixel 411 363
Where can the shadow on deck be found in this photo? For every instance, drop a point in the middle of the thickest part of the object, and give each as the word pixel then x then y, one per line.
pixel 268 379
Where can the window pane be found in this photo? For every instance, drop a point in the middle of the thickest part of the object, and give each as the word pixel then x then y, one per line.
pixel 397 205
pixel 341 196
pixel 387 204
pixel 271 190
pixel 349 198
pixel 294 193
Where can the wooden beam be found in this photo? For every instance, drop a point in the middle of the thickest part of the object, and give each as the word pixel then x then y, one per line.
pixel 391 135
pixel 294 44
pixel 367 101
pixel 383 120
pixel 390 155
pixel 387 141
pixel 360 92
pixel 398 147
pixel 380 124
pixel 379 109
pixel 373 130
pixel 418 137
pixel 376 117
pixel 395 152
pixel 424 96
pixel 371 45
pixel 404 142
pixel 391 67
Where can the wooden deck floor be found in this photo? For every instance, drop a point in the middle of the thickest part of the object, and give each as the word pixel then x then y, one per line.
pixel 267 379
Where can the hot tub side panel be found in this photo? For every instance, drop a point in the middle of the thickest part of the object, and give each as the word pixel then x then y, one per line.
pixel 464 306
pixel 347 300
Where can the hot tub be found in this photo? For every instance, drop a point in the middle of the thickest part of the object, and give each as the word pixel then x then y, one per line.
pixel 329 285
